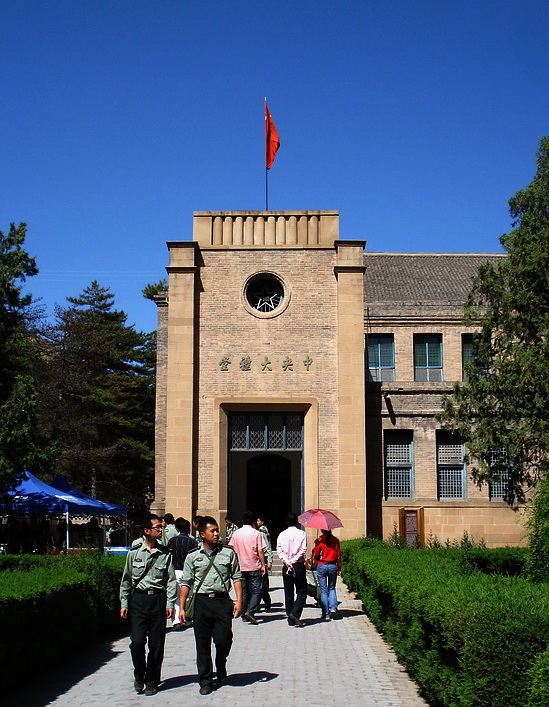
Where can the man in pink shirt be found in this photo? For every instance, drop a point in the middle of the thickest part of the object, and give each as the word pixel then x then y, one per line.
pixel 249 545
pixel 292 548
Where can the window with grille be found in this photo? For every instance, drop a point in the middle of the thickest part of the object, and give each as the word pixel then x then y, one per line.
pixel 261 431
pixel 427 357
pixel 500 484
pixel 380 352
pixel 399 467
pixel 450 466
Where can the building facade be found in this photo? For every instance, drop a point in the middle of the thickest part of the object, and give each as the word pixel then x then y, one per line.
pixel 295 371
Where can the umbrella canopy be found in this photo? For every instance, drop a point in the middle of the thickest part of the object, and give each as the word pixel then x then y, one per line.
pixel 109 509
pixel 32 495
pixel 318 518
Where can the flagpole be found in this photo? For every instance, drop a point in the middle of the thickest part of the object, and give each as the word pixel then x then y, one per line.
pixel 266 167
pixel 272 143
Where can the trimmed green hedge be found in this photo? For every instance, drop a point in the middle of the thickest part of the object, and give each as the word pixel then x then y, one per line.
pixel 539 676
pixel 51 606
pixel 466 638
pixel 508 561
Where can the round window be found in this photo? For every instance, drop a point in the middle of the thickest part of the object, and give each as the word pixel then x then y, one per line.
pixel 265 293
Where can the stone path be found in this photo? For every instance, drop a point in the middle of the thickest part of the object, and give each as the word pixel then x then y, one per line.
pixel 341 662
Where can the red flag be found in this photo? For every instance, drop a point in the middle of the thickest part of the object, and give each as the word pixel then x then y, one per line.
pixel 272 141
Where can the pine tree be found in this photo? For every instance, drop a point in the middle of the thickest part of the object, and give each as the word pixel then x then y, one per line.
pixel 97 398
pixel 18 355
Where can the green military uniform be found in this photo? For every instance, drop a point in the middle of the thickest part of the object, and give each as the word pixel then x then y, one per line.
pixel 213 610
pixel 266 597
pixel 231 529
pixel 170 531
pixel 147 589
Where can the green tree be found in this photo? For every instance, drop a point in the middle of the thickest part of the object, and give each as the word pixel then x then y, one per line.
pixel 18 355
pixel 503 406
pixel 97 398
pixel 154 288
pixel 537 561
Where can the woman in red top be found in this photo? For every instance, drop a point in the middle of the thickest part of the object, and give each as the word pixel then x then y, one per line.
pixel 328 555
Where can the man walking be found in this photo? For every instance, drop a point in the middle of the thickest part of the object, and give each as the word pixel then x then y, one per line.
pixel 292 548
pixel 180 545
pixel 170 531
pixel 249 545
pixel 209 570
pixel 260 523
pixel 147 595
pixel 230 528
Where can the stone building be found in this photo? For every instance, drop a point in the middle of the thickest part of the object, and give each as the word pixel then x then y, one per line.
pixel 296 371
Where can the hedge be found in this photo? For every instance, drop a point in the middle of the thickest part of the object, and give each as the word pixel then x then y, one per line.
pixel 51 606
pixel 466 638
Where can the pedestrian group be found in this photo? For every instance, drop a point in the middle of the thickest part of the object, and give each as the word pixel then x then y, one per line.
pixel 173 573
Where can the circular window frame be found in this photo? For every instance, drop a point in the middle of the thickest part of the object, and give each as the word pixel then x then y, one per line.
pixel 267 275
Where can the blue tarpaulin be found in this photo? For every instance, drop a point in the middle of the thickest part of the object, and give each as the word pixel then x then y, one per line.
pixel 34 496
pixel 110 509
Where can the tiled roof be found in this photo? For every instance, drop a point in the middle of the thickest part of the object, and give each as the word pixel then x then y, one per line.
pixel 421 278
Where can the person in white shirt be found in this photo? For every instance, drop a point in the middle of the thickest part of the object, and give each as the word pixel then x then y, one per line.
pixel 291 547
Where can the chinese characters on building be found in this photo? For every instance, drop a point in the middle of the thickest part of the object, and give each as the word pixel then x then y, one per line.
pixel 266 363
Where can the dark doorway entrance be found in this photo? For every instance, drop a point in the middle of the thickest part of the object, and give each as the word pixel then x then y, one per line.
pixel 269 490
pixel 265 466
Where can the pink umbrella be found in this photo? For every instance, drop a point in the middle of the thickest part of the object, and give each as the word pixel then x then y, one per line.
pixel 317 518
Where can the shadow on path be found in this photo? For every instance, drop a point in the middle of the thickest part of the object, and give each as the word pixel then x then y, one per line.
pixel 244 679
pixel 54 682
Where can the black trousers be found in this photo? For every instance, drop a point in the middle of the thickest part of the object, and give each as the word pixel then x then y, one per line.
pixel 265 596
pixel 147 621
pixel 294 579
pixel 213 619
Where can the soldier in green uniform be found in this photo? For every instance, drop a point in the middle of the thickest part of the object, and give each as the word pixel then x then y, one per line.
pixel 230 528
pixel 214 609
pixel 260 523
pixel 147 595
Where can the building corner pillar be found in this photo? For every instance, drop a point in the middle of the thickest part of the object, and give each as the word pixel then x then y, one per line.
pixel 180 378
pixel 349 271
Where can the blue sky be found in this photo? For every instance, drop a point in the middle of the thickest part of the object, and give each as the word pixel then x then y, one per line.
pixel 119 118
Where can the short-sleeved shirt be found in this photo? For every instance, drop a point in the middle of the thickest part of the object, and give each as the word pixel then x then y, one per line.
pixel 218 579
pixel 247 542
pixel 169 532
pixel 159 575
pixel 268 549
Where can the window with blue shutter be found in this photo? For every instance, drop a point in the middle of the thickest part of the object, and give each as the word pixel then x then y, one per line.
pixel 380 352
pixel 428 357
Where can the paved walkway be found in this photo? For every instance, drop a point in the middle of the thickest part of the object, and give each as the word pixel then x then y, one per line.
pixel 341 662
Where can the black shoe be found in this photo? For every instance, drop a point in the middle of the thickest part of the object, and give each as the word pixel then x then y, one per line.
pixel 205 689
pixel 221 677
pixel 297 622
pixel 150 689
pixel 138 685
pixel 291 621
pixel 251 619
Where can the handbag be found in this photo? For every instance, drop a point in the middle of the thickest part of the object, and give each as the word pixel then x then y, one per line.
pixel 314 560
pixel 189 604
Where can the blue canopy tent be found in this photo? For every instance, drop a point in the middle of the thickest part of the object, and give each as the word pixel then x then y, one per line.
pixel 111 509
pixel 34 496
